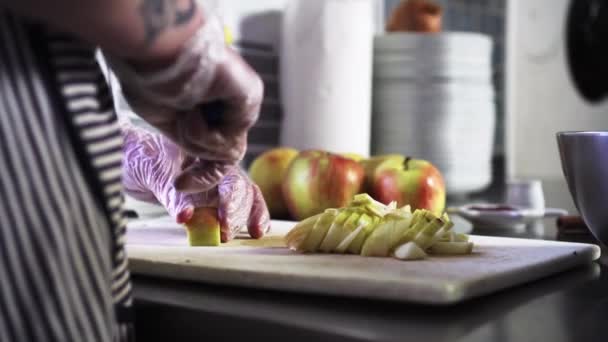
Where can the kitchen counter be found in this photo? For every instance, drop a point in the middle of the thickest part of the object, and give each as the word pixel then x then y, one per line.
pixel 571 306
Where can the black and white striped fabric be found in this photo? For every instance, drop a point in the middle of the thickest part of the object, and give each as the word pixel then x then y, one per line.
pixel 63 268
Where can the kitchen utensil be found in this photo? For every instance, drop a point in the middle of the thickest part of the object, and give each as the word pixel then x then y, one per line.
pixel 158 248
pixel 584 158
pixel 213 112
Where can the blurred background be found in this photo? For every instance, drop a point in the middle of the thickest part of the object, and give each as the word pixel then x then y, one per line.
pixel 534 96
pixel 482 98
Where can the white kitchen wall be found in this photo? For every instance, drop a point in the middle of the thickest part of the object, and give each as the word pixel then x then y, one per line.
pixel 541 99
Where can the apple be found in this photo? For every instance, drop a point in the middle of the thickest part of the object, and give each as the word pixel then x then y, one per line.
pixel 407 181
pixel 268 171
pixel 318 180
pixel 371 164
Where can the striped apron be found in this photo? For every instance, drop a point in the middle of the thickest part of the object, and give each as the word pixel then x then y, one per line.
pixel 63 268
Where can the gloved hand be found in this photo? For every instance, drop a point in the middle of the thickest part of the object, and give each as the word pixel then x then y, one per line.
pixel 151 161
pixel 170 99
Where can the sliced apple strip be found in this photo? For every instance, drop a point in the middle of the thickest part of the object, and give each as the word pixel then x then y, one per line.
pixel 343 246
pixel 356 245
pixel 409 251
pixel 337 231
pixel 364 221
pixel 426 236
pixel 443 231
pixel 296 237
pixel 424 218
pixel 460 237
pixel 319 230
pixel 399 229
pixel 378 244
pixel 364 199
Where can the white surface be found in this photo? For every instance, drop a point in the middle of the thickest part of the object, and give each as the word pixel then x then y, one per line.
pixel 159 248
pixel 326 71
pixel 541 99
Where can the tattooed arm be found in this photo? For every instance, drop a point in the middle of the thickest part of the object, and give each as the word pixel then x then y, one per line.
pixel 148 31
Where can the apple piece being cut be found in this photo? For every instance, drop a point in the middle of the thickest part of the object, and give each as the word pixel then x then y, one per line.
pixel 203 229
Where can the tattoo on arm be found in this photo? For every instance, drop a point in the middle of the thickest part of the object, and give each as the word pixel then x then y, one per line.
pixel 158 15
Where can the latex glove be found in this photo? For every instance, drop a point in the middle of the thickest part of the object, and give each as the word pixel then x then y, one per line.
pixel 169 99
pixel 151 161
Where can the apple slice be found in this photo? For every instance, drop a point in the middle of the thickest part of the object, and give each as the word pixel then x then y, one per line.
pixel 338 232
pixel 442 232
pixel 356 245
pixel 364 221
pixel 339 220
pixel 426 236
pixel 319 230
pixel 402 225
pixel 423 219
pixel 363 200
pixel 378 243
pixel 296 236
pixel 409 251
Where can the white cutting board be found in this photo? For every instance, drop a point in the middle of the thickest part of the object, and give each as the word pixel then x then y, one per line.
pixel 159 248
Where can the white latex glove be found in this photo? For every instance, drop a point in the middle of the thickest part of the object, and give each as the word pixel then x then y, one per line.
pixel 151 161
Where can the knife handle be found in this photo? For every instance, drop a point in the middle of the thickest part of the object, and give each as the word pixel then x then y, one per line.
pixel 213 113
